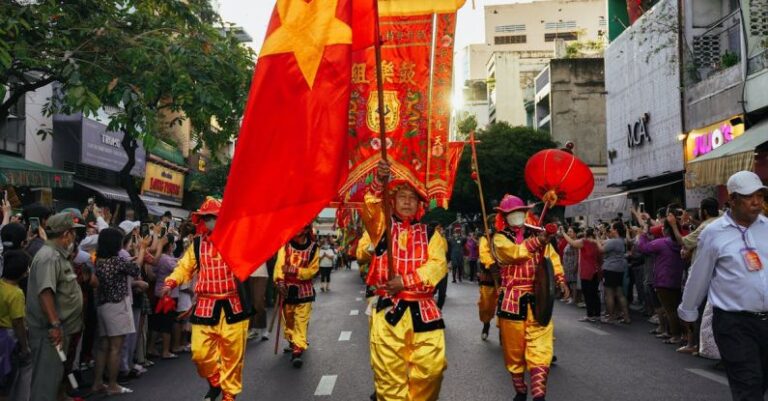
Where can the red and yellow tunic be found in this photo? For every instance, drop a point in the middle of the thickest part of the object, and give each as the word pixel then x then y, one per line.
pixel 296 265
pixel 418 259
pixel 216 287
pixel 517 264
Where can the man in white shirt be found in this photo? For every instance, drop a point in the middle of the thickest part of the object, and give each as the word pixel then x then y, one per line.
pixel 731 266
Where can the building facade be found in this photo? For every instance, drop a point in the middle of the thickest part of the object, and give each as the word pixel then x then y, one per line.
pixel 522 38
pixel 644 109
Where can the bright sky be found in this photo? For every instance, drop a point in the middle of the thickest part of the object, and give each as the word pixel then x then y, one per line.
pixel 253 15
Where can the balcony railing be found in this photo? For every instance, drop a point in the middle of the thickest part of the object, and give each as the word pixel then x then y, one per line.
pixel 719 46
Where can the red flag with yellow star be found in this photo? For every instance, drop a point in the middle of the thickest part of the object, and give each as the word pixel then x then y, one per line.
pixel 291 155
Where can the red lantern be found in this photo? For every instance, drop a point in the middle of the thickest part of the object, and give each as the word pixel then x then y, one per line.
pixel 558 177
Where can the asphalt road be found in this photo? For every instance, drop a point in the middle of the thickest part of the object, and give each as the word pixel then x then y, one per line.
pixel 595 362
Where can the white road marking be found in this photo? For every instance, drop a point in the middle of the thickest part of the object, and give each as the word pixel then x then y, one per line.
pixel 709 375
pixel 345 336
pixel 325 387
pixel 358 299
pixel 597 331
pixel 354 312
pixel 362 292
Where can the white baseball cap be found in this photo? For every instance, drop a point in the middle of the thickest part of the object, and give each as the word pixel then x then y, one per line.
pixel 744 183
pixel 128 226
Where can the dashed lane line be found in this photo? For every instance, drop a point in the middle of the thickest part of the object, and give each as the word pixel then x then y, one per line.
pixel 345 336
pixel 354 312
pixel 326 385
pixel 596 331
pixel 709 375
pixel 358 299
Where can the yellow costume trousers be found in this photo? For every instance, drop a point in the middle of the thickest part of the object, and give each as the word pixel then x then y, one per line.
pixel 526 344
pixel 487 303
pixel 407 366
pixel 297 323
pixel 218 353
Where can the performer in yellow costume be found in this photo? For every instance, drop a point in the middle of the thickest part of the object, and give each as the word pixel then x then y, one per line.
pixel 407 329
pixel 518 249
pixel 297 264
pixel 486 305
pixel 220 318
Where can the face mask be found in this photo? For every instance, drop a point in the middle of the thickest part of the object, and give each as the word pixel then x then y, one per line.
pixel 516 219
pixel 210 224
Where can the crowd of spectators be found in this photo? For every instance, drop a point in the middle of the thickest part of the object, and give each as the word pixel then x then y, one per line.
pixel 639 264
pixel 75 285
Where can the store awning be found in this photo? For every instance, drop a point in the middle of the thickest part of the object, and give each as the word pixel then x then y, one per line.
pixel 168 152
pixel 111 193
pixel 19 172
pixel 716 167
pixel 158 201
pixel 607 207
pixel 159 210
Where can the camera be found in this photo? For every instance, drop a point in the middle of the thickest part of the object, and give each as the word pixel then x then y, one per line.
pixel 144 230
pixel 34 224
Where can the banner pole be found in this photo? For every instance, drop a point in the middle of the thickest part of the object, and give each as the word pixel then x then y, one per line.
pixel 476 169
pixel 383 139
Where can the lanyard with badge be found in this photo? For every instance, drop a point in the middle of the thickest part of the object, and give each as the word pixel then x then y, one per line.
pixel 750 255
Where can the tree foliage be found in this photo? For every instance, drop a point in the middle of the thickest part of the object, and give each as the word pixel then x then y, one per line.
pixel 148 63
pixel 502 154
pixel 212 181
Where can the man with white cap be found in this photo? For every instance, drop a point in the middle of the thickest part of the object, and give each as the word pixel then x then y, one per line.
pixel 730 266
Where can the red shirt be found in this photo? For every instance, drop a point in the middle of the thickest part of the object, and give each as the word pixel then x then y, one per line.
pixel 589 260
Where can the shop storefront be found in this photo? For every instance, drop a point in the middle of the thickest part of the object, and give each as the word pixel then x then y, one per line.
pixel 96 155
pixel 746 151
pixel 25 182
pixel 700 143
pixel 165 176
pixel 643 112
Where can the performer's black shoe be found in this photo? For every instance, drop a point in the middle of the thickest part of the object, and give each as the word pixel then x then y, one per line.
pixel 373 396
pixel 540 399
pixel 296 360
pixel 521 397
pixel 212 394
pixel 288 349
pixel 486 328
pixel 554 359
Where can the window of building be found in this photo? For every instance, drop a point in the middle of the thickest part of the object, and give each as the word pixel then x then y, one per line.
pixel 550 37
pixel 560 25
pixel 510 39
pixel 510 28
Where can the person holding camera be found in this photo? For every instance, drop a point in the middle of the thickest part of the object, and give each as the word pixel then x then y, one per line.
pixel 668 271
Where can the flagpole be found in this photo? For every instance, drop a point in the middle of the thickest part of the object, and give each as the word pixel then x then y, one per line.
pixel 383 139
pixel 476 170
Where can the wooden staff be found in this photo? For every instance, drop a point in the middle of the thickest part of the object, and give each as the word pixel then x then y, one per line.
pixel 274 315
pixel 476 170
pixel 383 139
pixel 278 311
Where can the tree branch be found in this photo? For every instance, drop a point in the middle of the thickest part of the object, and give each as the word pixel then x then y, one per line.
pixel 20 91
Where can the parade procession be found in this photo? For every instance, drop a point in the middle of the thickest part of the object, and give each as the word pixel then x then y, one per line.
pixel 385 200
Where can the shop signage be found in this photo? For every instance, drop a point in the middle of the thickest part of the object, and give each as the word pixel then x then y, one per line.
pixel 637 133
pixel 702 141
pixel 103 149
pixel 163 183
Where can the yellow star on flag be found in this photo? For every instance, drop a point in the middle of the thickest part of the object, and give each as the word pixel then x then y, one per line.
pixel 306 28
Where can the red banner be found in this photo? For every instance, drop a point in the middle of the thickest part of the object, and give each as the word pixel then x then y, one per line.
pixel 455 150
pixel 439 183
pixel 417 58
